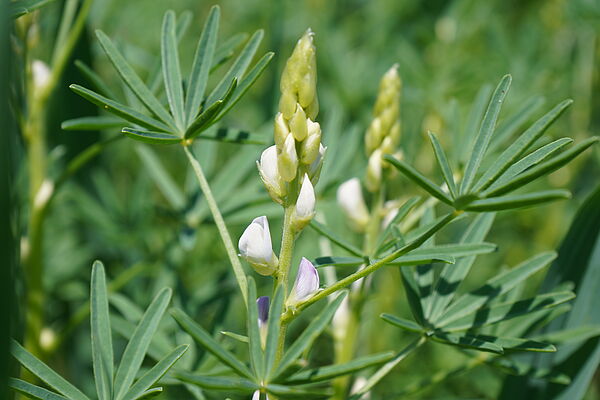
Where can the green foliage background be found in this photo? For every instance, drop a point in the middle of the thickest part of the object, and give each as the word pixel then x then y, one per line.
pixel 113 210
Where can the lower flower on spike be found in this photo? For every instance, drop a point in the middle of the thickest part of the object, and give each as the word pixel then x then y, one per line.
pixel 256 248
pixel 306 284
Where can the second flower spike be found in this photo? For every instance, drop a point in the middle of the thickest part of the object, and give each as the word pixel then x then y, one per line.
pixel 256 248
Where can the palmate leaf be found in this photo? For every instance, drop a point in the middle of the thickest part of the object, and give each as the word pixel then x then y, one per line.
pixel 134 353
pixel 484 136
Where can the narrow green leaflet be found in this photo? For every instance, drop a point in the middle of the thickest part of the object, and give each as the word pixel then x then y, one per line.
pixel 202 63
pixel 171 69
pixel 419 179
pixel 452 276
pixel 442 160
pixel 207 117
pixel 286 392
pixel 150 136
pixel 485 134
pixel 240 385
pixel 323 230
pixel 468 341
pixel 133 80
pixel 338 261
pixel 519 344
pixel 33 391
pixel 333 371
pixel 208 343
pixel 543 169
pixel 45 373
pixel 504 311
pixel 119 109
pixel 530 160
pixel 402 323
pixel 456 250
pixel 238 68
pixel 273 325
pixel 155 373
pixel 150 394
pixel 102 350
pixel 92 123
pixel 314 329
pixel 476 113
pixel 22 7
pixel 421 259
pixel 236 336
pixel 520 146
pixel 495 287
pixel 256 353
pixel 134 353
pixel 516 201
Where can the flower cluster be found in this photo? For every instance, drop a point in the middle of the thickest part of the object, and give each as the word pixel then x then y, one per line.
pixel 383 134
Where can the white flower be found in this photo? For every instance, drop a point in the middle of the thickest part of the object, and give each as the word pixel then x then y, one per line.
pixel 256 395
pixel 269 173
pixel 40 74
pixel 288 160
pixel 306 284
pixel 314 169
pixel 255 246
pixel 350 199
pixel 305 205
pixel 373 180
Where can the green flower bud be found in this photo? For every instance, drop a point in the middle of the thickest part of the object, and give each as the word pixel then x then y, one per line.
pixel 281 130
pixel 287 160
pixel 298 124
pixel 373 180
pixel 310 146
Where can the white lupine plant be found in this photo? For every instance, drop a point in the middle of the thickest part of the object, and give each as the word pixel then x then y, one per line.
pixel 379 251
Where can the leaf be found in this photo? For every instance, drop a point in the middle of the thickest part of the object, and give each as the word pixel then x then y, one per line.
pixel 149 394
pixel 246 83
pixel 238 68
pixel 206 118
pixel 485 134
pixel 238 337
pixel 419 179
pixel 530 160
pixel 91 123
pixel 519 146
pixel 45 373
pixel 22 7
pixel 161 177
pixel 314 329
pixel 119 109
pixel 411 290
pixel 171 69
pixel 402 323
pixel 504 311
pixel 468 341
pixel 155 373
pixel 542 169
pixel 570 336
pixel 32 391
pixel 285 392
pixel 475 116
pixel 208 343
pixel 514 367
pixel 519 344
pixel 323 230
pixel 134 353
pixel 219 382
pixel 442 160
pixel 202 63
pixel 495 287
pixel 338 261
pixel 256 354
pixel 132 80
pixel 332 371
pixel 231 135
pixel 101 335
pixel 517 201
pixel 416 259
pixel 150 136
pixel 273 325
pixel 456 250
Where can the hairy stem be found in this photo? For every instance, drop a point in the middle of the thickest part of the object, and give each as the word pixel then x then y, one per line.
pixel 238 271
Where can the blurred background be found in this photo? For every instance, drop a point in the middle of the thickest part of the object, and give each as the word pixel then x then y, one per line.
pixel 120 210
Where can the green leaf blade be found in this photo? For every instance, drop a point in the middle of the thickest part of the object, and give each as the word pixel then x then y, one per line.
pixel 518 201
pixel 171 69
pixel 442 160
pixel 150 136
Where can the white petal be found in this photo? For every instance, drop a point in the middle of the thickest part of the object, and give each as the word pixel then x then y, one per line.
pixel 256 395
pixel 41 73
pixel 255 242
pixel 305 206
pixel 350 199
pixel 307 282
pixel 268 165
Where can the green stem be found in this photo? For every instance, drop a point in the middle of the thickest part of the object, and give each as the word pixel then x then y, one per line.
pixel 288 316
pixel 238 271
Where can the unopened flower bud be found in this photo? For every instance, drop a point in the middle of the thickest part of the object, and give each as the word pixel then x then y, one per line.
pixel 350 199
pixel 298 124
pixel 263 317
pixel 269 173
pixel 387 145
pixel 256 248
pixel 281 130
pixel 306 284
pixel 314 170
pixel 373 136
pixel 40 74
pixel 312 144
pixel 287 104
pixel 287 161
pixel 305 205
pixel 373 180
